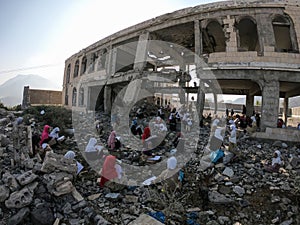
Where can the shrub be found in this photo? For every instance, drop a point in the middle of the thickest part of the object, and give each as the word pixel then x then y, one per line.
pixel 54 116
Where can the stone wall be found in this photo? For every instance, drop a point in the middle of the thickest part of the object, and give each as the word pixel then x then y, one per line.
pixel 296 112
pixel 33 97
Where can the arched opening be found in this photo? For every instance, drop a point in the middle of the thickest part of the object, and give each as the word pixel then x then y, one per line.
pixel 282 33
pixel 76 68
pixel 98 98
pixel 213 38
pixel 102 60
pixel 81 97
pixel 66 97
pixel 247 35
pixel 92 62
pixel 83 65
pixel 74 97
pixel 68 74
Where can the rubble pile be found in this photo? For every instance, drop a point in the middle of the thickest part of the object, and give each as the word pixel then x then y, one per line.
pixel 42 192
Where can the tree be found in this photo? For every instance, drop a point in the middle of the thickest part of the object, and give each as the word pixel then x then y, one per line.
pixel 258 103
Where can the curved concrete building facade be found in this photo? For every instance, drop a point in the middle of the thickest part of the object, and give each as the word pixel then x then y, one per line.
pixel 251 47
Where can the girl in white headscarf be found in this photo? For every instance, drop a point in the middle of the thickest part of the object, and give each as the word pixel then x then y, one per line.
pixel 251 129
pixel 71 155
pixel 276 163
pixel 233 143
pixel 169 178
pixel 54 134
pixel 92 146
pixel 172 163
pixel 232 137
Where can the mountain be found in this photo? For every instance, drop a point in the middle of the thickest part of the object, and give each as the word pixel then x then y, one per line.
pixel 11 92
pixel 294 102
pixel 242 100
pixel 239 101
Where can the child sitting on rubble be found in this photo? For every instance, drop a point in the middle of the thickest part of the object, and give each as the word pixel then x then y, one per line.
pixel 159 125
pixel 55 138
pixel 44 149
pixel 217 155
pixel 92 150
pixel 45 135
pixel 146 134
pixel 251 128
pixel 113 142
pixel 71 155
pixel 135 128
pixel 233 142
pixel 171 178
pixel 92 146
pixel 147 151
pixel 276 163
pixel 111 171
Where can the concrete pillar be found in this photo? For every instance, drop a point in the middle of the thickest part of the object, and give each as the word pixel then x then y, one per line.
pixel 249 104
pixel 141 52
pixel 107 99
pixel 108 60
pixel 285 110
pixel 270 103
pixel 85 96
pixel 230 34
pixel 199 64
pixel 215 102
pixel 265 30
pixel 200 99
pixel 182 97
pixel 112 60
pixel 26 99
pixel 198 38
pixel 88 100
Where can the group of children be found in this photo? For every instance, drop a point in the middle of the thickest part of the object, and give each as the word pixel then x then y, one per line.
pixel 217 146
pixel 48 141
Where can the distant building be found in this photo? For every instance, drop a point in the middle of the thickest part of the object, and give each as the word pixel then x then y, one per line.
pixel 33 97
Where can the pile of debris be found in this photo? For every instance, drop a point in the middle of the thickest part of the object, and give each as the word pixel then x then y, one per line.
pixel 35 191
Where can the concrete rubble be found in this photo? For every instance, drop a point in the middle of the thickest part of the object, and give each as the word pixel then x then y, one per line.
pixel 49 192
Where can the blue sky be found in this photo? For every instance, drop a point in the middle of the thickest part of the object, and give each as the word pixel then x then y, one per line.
pixel 42 34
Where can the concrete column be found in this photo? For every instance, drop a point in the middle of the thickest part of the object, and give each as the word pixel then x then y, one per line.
pixel 265 30
pixel 88 99
pixel 270 103
pixel 85 96
pixel 111 64
pixel 182 96
pixel 200 99
pixel 108 60
pixel 198 38
pixel 249 104
pixel 230 34
pixel 97 66
pixel 26 99
pixel 107 99
pixel 285 110
pixel 215 102
pixel 141 52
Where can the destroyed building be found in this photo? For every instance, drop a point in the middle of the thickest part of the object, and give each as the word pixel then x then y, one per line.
pixel 234 47
pixel 34 97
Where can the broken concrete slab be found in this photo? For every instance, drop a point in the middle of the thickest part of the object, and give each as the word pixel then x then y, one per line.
pixel 145 219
